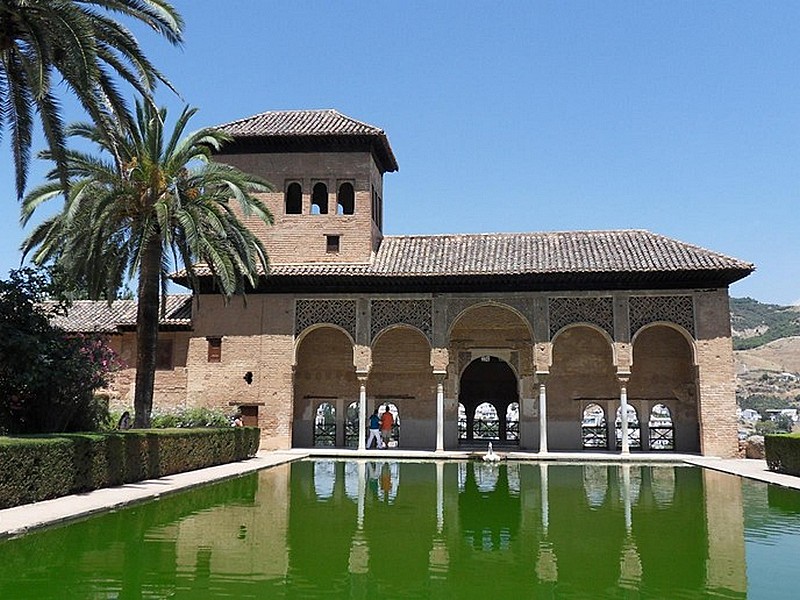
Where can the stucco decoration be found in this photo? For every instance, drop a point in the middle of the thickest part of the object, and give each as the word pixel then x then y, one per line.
pixel 671 309
pixel 335 312
pixel 566 311
pixel 417 313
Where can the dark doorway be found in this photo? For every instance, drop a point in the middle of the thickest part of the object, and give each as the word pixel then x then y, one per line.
pixel 488 380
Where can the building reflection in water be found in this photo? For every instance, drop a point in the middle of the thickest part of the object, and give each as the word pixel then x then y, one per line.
pixel 432 529
pixel 404 529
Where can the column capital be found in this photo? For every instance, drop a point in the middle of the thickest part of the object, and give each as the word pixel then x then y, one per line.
pixel 541 377
pixel 623 377
pixel 440 375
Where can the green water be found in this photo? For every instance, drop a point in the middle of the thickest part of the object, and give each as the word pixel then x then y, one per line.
pixel 428 530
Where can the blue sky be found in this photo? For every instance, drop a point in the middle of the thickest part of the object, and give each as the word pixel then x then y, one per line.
pixel 682 118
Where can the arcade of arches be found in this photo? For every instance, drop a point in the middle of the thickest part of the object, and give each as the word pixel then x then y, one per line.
pixel 483 371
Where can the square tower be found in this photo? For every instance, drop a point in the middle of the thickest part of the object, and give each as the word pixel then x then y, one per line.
pixel 327 170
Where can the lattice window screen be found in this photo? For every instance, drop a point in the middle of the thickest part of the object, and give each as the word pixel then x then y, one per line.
pixel 336 312
pixel 597 311
pixel 673 309
pixel 417 313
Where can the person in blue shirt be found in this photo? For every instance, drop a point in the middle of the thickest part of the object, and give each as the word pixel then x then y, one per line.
pixel 374 430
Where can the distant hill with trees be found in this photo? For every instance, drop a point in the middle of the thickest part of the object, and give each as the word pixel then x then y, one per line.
pixel 755 324
pixel 766 342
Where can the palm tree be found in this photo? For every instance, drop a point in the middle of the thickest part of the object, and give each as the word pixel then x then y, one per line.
pixel 86 48
pixel 147 204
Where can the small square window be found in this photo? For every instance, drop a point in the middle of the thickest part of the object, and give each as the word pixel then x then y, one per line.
pixel 214 349
pixel 332 243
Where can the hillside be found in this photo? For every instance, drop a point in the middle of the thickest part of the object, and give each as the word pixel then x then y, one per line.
pixel 754 323
pixel 766 341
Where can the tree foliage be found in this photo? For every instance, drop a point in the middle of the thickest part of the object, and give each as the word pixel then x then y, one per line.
pixel 151 200
pixel 47 376
pixel 43 42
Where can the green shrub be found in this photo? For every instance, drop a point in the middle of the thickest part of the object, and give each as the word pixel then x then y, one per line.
pixel 34 468
pixel 783 453
pixel 190 417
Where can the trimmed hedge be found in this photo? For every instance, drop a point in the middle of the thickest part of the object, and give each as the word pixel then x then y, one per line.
pixel 34 468
pixel 783 453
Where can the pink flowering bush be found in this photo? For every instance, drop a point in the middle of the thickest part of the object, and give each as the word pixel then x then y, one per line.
pixel 48 377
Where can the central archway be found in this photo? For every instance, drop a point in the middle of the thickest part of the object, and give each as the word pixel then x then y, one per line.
pixel 489 380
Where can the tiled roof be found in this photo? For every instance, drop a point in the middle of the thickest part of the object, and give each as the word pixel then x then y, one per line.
pixel 520 254
pixel 91 316
pixel 550 252
pixel 300 123
pixel 312 124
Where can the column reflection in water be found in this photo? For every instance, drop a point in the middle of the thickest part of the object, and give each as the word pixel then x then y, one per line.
pixel 358 563
pixel 630 567
pixel 546 563
pixel 526 530
pixel 439 557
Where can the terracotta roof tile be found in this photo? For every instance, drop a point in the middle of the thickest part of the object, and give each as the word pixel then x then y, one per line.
pixel 90 316
pixel 566 252
pixel 316 125
pixel 299 123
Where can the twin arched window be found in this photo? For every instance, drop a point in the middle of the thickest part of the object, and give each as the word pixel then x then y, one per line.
pixel 345 199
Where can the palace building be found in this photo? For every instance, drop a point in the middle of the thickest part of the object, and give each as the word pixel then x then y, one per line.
pixel 553 341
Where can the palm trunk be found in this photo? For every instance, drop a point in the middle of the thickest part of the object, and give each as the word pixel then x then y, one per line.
pixel 148 294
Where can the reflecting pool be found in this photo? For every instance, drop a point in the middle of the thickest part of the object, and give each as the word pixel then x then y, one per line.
pixel 388 529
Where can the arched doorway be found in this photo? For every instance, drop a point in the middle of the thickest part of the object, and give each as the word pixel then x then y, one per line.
pixel 401 375
pixel 663 375
pixel 487 391
pixel 582 374
pixel 325 384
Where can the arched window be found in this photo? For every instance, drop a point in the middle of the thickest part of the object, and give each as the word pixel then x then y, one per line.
pixel 319 199
pixel 661 429
pixel 594 432
pixel 634 431
pixel 325 425
pixel 512 422
pixel 294 199
pixel 351 426
pixel 346 199
pixel 486 425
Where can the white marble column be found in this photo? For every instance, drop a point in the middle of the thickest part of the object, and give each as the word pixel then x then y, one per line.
pixel 362 413
pixel 623 405
pixel 542 413
pixel 440 411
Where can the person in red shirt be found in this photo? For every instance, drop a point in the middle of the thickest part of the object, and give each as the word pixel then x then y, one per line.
pixel 387 421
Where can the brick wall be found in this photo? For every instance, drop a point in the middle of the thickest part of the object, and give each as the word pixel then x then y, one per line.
pixel 296 238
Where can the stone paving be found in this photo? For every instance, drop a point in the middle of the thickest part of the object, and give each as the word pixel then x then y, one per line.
pixel 21 519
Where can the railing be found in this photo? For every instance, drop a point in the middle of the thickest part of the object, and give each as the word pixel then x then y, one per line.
pixel 462 429
pixel 594 436
pixel 634 435
pixel 395 434
pixel 512 431
pixel 662 438
pixel 325 434
pixel 351 434
pixel 486 429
